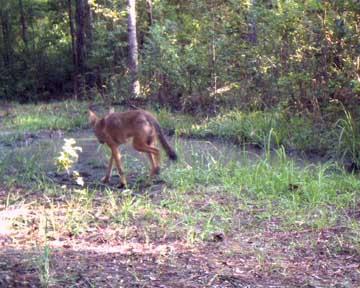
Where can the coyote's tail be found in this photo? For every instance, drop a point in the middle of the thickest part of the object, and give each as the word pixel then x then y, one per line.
pixel 164 143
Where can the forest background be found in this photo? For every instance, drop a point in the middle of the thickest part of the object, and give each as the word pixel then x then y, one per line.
pixel 299 55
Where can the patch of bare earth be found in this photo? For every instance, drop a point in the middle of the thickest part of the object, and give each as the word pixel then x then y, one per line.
pixel 249 257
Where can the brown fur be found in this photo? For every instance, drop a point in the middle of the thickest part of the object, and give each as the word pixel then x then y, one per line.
pixel 139 125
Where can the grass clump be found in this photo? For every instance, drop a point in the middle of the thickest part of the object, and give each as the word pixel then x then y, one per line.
pixel 294 132
pixel 349 139
pixel 279 185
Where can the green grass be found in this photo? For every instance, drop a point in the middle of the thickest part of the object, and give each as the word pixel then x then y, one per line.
pixel 65 115
pixel 202 200
pixel 349 139
pixel 295 132
pixel 205 195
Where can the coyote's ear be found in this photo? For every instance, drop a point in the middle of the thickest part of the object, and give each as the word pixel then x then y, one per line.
pixel 92 118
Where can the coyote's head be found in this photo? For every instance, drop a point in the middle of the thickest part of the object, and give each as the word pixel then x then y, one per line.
pixel 98 125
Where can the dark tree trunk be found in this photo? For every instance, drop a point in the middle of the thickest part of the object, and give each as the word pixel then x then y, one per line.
pixel 23 27
pixel 149 11
pixel 133 50
pixel 80 39
pixel 6 35
pixel 252 24
pixel 213 49
pixel 73 47
pixel 88 19
pixel 79 78
pixel 72 33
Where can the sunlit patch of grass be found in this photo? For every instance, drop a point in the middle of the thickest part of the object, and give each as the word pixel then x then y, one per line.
pixel 237 126
pixel 64 115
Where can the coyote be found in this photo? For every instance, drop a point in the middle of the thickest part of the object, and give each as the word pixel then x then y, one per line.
pixel 140 126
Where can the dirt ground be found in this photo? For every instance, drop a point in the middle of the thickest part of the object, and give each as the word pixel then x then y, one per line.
pixel 257 255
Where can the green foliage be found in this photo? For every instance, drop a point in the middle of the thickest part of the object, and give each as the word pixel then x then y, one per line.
pixel 191 49
pixel 349 139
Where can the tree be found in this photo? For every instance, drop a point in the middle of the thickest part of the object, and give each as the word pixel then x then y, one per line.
pixel 6 35
pixel 149 11
pixel 72 33
pixel 133 51
pixel 24 27
pixel 80 35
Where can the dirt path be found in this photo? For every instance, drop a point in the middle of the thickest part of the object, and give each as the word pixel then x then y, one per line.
pixel 249 259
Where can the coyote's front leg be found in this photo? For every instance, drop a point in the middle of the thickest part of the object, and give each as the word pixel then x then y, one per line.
pixel 117 157
pixel 106 178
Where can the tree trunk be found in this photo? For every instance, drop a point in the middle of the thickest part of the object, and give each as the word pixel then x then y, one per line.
pixel 253 26
pixel 80 41
pixel 213 49
pixel 72 33
pixel 149 11
pixel 133 51
pixel 23 27
pixel 79 76
pixel 88 27
pixel 6 35
pixel 73 48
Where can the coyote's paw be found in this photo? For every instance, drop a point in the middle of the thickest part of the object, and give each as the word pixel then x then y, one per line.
pixel 121 185
pixel 105 179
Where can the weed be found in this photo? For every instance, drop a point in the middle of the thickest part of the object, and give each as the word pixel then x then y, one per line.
pixel 68 155
pixel 44 266
pixel 44 261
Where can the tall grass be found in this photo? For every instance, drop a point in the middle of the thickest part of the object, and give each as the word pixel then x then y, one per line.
pixel 348 147
pixel 276 183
